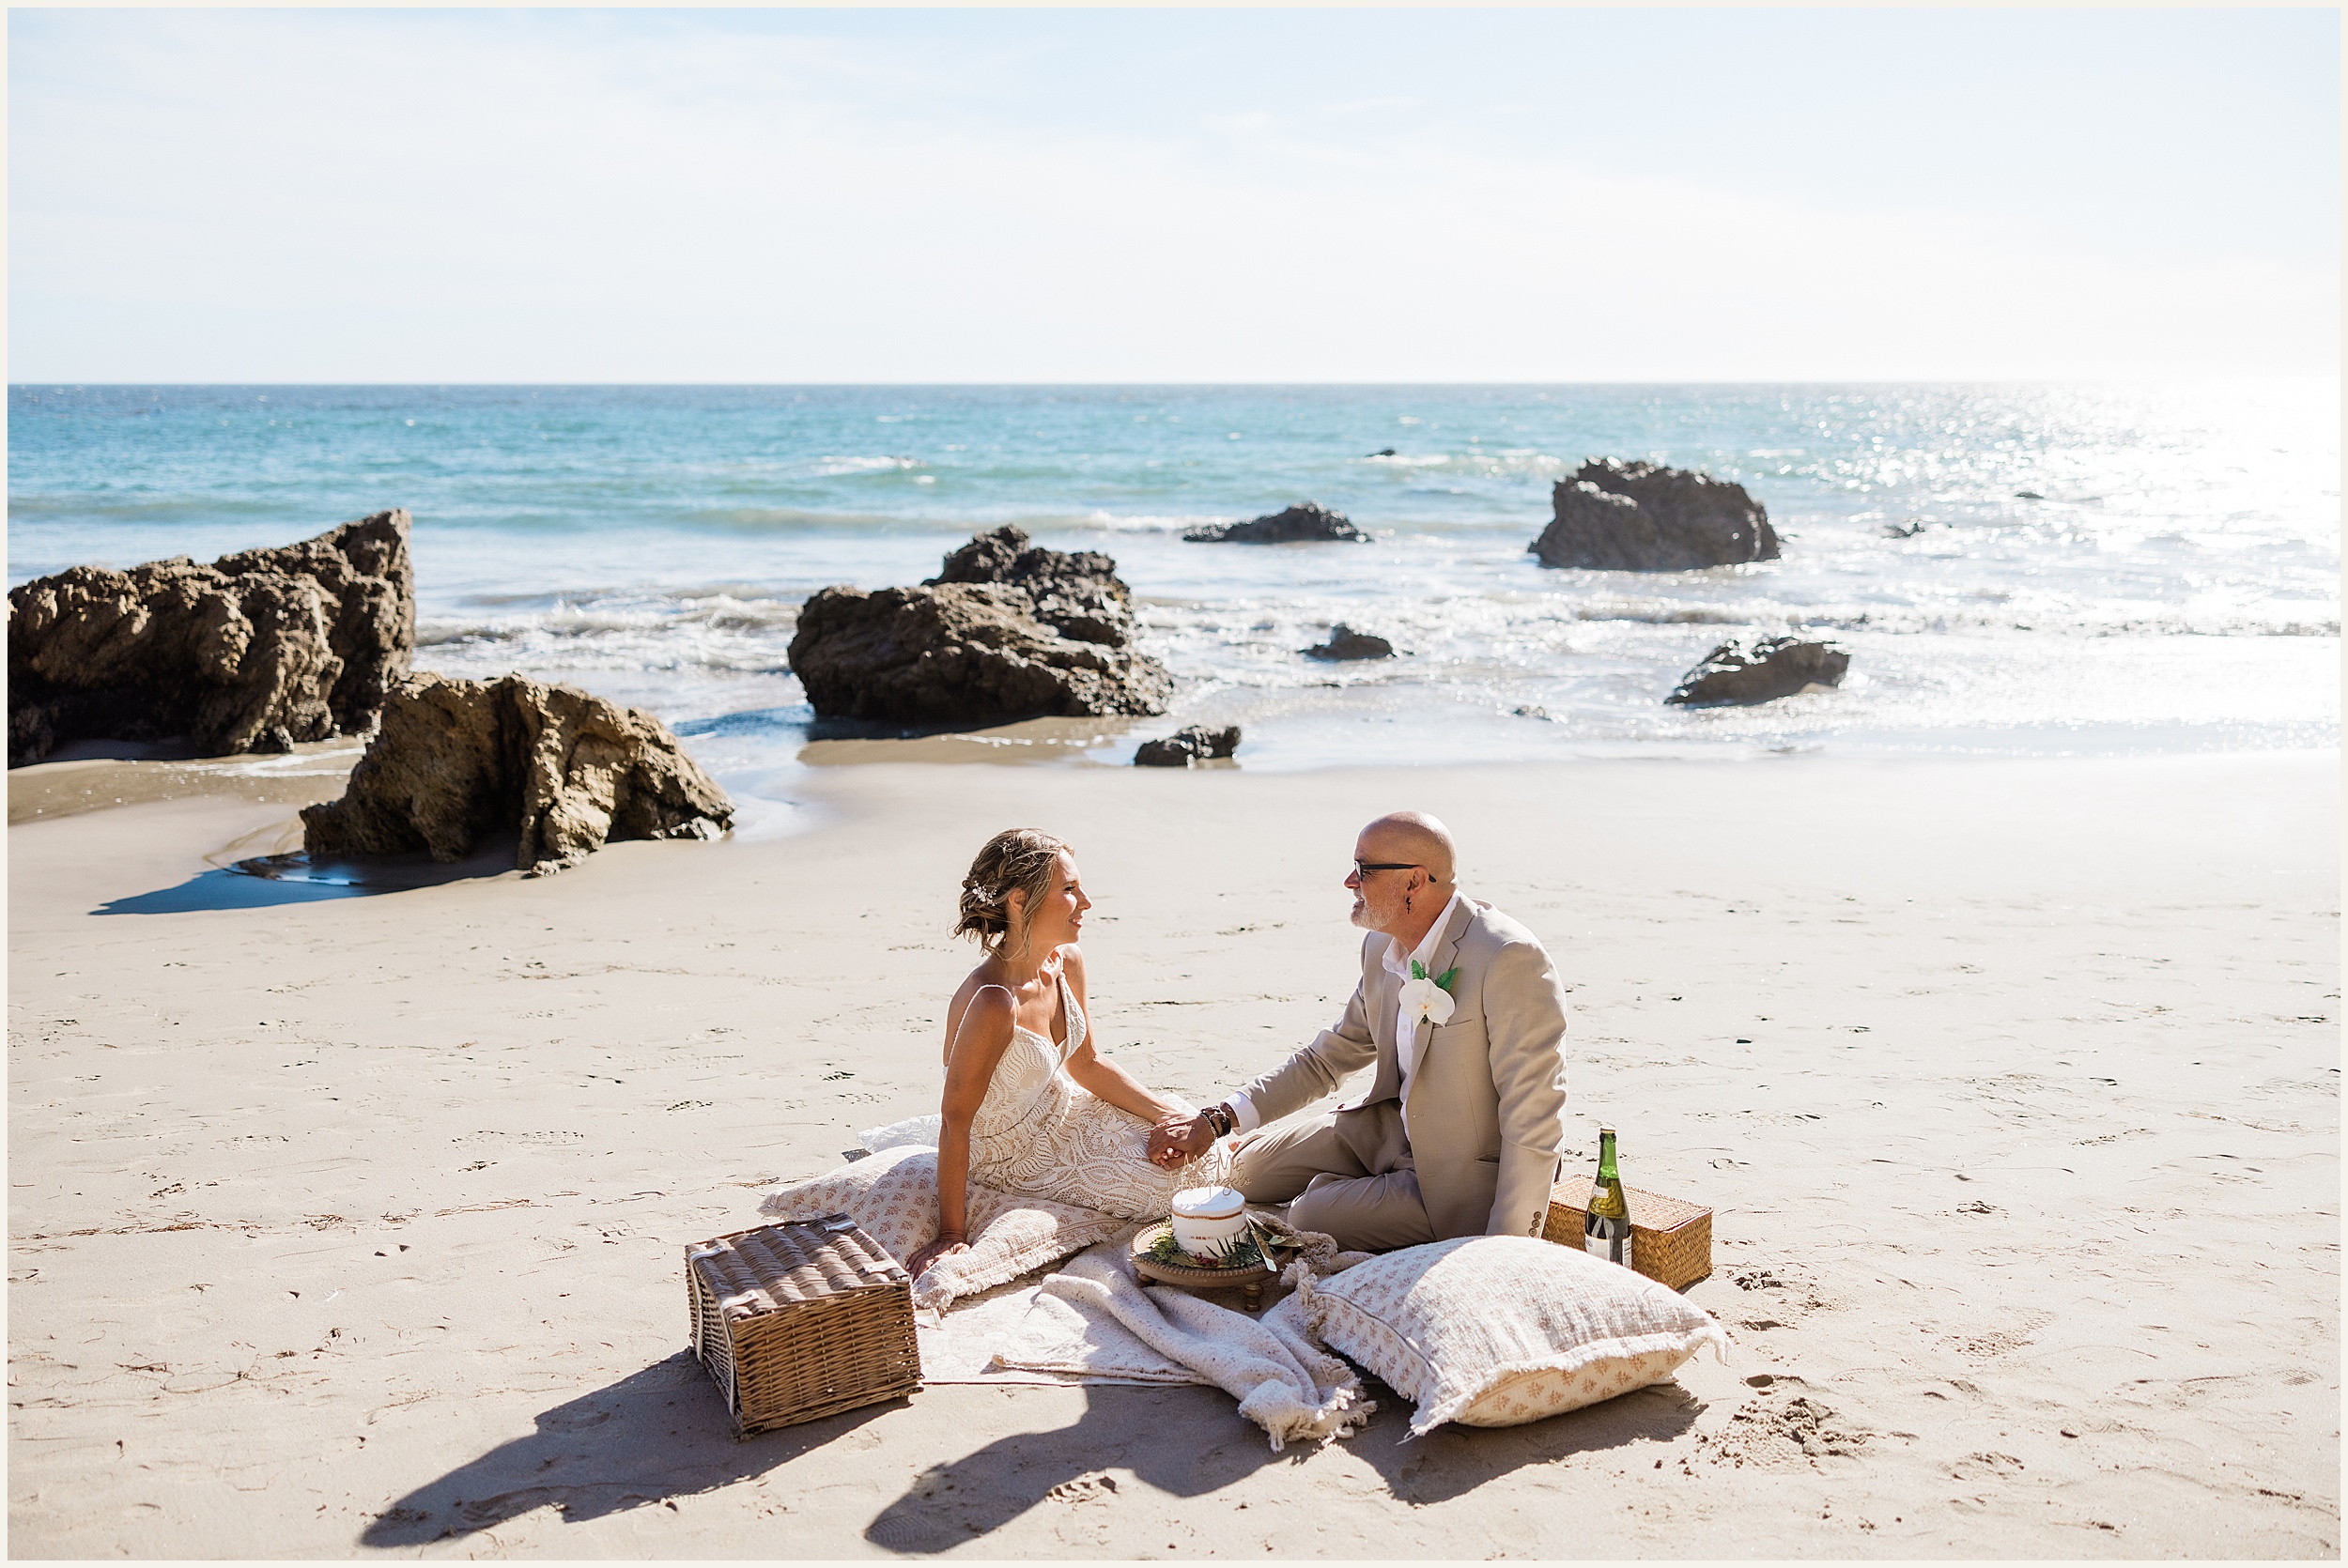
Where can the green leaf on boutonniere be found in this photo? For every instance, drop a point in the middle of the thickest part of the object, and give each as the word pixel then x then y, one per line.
pixel 1418 971
pixel 1448 975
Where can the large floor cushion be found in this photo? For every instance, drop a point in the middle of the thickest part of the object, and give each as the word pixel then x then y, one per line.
pixel 893 1196
pixel 1495 1330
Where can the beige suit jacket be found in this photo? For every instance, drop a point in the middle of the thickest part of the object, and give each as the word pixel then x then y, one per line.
pixel 1488 1095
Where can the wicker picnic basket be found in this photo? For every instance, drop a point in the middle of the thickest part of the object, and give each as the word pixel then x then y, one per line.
pixel 1671 1241
pixel 801 1319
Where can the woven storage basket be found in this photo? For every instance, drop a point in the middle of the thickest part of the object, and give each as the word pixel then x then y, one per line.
pixel 1671 1241
pixel 801 1319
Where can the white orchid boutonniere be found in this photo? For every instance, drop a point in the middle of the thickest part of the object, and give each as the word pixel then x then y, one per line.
pixel 1428 996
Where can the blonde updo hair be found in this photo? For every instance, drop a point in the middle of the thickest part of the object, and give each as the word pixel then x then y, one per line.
pixel 1018 858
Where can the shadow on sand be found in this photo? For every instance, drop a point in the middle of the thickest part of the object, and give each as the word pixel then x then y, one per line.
pixel 1453 1459
pixel 655 1434
pixel 1125 1429
pixel 267 881
pixel 662 1432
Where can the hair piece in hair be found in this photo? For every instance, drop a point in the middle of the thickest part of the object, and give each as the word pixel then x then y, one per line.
pixel 1017 858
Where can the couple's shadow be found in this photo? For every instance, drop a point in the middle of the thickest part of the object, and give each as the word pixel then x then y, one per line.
pixel 655 1434
pixel 662 1432
pixel 1191 1442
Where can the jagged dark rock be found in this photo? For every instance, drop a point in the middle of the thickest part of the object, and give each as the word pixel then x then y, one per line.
pixel 1740 674
pixel 455 760
pixel 1007 630
pixel 1192 743
pixel 1346 643
pixel 254 652
pixel 1075 593
pixel 1307 522
pixel 1614 516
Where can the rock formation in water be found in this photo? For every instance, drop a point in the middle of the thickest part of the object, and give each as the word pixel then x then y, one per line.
pixel 456 760
pixel 1305 523
pixel 254 652
pixel 1614 516
pixel 1075 593
pixel 1737 674
pixel 1194 743
pixel 1007 630
pixel 1346 643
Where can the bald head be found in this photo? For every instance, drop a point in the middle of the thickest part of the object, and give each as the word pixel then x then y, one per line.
pixel 1412 838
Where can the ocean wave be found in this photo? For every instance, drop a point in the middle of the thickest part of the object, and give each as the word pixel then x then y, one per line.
pixel 1458 651
pixel 139 504
pixel 797 520
pixel 1470 619
pixel 1171 524
pixel 832 467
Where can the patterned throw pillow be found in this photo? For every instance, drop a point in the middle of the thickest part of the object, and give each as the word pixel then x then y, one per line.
pixel 893 1197
pixel 1495 1330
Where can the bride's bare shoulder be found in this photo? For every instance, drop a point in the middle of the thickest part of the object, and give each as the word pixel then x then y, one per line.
pixel 980 999
pixel 982 1014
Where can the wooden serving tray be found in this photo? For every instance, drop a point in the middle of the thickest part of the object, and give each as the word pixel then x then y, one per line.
pixel 1251 1279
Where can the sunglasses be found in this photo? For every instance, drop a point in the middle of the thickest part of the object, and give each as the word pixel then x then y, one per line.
pixel 1363 868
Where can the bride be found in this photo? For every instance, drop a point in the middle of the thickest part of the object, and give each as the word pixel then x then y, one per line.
pixel 1029 1106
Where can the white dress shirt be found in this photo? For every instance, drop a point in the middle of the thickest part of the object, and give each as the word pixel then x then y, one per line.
pixel 1243 1117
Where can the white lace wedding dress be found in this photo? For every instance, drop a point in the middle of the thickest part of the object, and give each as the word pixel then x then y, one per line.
pixel 1039 1131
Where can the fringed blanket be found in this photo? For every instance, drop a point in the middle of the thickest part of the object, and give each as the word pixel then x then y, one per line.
pixel 1094 1317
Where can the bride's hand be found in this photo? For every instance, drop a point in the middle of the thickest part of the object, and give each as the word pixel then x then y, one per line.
pixel 936 1250
pixel 1180 1139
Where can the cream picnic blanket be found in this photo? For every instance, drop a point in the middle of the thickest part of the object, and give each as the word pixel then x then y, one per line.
pixel 1093 1318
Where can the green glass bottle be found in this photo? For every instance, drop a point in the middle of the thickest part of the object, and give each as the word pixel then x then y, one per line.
pixel 1606 1225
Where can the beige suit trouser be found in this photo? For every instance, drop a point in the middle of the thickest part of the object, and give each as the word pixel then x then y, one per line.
pixel 1332 1191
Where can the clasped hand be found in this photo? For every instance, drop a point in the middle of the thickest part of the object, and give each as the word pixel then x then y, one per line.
pixel 1180 1139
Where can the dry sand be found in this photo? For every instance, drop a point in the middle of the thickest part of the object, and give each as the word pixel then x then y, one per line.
pixel 355 1225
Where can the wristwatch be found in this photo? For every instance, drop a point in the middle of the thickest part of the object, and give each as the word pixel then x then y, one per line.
pixel 1219 1119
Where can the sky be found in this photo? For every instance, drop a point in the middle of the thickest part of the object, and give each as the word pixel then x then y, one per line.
pixel 1385 195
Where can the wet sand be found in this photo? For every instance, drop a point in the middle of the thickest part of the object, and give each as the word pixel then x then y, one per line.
pixel 109 776
pixel 353 1224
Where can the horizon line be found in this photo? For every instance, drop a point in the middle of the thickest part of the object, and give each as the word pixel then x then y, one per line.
pixel 62 383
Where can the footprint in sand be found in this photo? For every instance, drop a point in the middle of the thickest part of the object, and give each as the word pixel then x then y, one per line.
pixel 1986 1466
pixel 1776 1432
pixel 1098 1486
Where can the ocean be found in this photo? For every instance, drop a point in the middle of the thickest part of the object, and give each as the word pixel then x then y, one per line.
pixel 2016 570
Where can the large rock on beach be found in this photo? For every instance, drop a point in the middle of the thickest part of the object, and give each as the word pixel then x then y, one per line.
pixel 1345 643
pixel 1614 516
pixel 1194 743
pixel 1308 522
pixel 1737 674
pixel 1007 630
pixel 253 652
pixel 1075 593
pixel 458 761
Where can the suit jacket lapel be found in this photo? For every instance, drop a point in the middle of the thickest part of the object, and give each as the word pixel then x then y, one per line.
pixel 1379 986
pixel 1382 1023
pixel 1445 950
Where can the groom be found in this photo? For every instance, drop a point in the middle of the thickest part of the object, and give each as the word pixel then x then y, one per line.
pixel 1460 1130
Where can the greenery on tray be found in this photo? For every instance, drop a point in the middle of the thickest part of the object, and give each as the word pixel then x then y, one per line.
pixel 1245 1252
